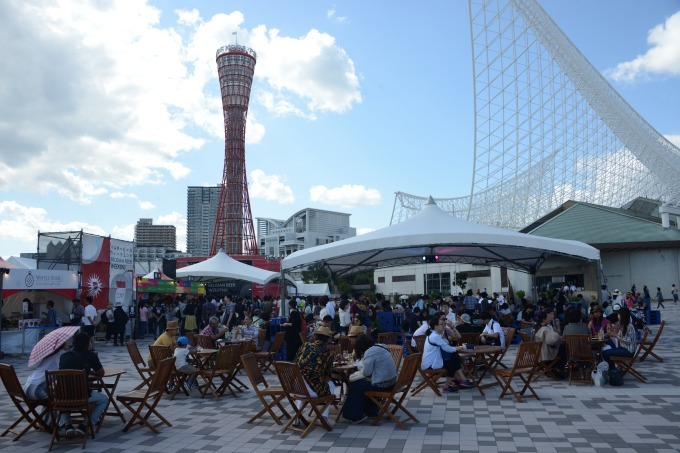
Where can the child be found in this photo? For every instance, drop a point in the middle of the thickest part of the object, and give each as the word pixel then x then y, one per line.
pixel 181 352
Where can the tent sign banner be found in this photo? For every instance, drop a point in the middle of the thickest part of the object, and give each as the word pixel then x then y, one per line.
pixel 187 287
pixel 146 285
pixel 36 279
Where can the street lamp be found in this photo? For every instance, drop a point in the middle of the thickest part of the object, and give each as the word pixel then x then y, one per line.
pixel 3 271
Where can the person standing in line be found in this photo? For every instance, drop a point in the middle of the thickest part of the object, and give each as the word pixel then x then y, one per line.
pixel 659 298
pixel 143 319
pixel 674 293
pixel 77 313
pixel 293 328
pixel 51 315
pixel 120 319
pixel 110 322
pixel 90 313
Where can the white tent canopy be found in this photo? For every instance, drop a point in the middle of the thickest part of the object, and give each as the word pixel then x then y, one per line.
pixel 311 289
pixel 433 232
pixel 222 266
pixel 157 271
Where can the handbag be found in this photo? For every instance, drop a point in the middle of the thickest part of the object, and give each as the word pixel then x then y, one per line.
pixel 598 378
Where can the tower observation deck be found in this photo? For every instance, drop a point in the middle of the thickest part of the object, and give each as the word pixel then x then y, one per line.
pixel 234 232
pixel 548 127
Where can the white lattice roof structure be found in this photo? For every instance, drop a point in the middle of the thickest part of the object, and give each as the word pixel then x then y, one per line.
pixel 548 127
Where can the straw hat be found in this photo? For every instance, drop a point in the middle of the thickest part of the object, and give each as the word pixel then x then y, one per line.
pixel 326 331
pixel 172 325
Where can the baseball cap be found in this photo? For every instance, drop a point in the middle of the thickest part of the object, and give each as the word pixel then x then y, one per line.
pixel 182 341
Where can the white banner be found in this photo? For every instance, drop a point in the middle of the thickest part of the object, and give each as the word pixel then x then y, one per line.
pixel 121 275
pixel 24 279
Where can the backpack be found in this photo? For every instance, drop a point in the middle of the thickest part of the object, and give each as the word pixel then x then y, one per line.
pixel 615 378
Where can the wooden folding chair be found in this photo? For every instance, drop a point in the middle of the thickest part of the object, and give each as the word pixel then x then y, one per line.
pixel 261 338
pixel 386 399
pixel 430 377
pixel 177 380
pixel 579 357
pixel 387 338
pixel 625 364
pixel 293 384
pixel 68 393
pixel 346 343
pixel 257 379
pixel 266 359
pixel 246 347
pixel 137 400
pixel 397 352
pixel 469 338
pixel 648 346
pixel 27 408
pixel 204 341
pixel 509 335
pixel 526 362
pixel 142 368
pixel 225 369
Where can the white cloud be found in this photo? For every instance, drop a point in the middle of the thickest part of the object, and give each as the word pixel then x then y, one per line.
pixel 312 69
pixel 364 230
pixel 180 223
pixel 663 57
pixel 269 187
pixel 332 14
pixel 123 195
pixel 22 223
pixel 347 196
pixel 146 205
pixel 99 96
pixel 124 232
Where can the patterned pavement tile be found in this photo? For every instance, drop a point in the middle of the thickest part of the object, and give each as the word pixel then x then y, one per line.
pixel 576 418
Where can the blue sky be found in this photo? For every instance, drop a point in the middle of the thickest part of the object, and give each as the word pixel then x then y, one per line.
pixel 110 112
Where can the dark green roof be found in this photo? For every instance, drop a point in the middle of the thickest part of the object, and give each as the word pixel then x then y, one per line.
pixel 595 224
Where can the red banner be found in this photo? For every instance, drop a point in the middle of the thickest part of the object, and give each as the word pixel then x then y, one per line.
pixel 95 278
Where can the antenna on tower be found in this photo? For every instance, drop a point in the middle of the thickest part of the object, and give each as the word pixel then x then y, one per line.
pixel 236 36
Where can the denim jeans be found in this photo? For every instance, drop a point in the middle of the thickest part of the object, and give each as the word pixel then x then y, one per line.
pixel 99 399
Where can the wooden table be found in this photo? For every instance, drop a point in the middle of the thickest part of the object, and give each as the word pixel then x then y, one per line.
pixel 109 387
pixel 485 354
pixel 341 372
pixel 202 357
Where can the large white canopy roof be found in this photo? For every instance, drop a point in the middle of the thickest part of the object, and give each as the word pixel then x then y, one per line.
pixel 222 266
pixel 433 232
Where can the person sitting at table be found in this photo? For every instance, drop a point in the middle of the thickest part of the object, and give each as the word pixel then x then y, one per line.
pixel 357 328
pixel 439 354
pixel 599 323
pixel 575 324
pixel 316 363
pixel 81 358
pixel 624 339
pixel 183 366
pixel 248 329
pixel 266 325
pixel 465 325
pixel 551 340
pixel 35 387
pixel 167 338
pixel 378 374
pixel 492 333
pixel 213 331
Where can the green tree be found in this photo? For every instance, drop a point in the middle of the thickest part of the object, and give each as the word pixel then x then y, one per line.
pixel 316 273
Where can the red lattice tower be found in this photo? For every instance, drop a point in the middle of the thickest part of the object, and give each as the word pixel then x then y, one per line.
pixel 234 232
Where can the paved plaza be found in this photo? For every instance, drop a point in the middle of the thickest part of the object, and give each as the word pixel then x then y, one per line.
pixel 568 418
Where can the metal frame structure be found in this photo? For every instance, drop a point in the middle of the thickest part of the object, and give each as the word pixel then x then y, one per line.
pixel 548 127
pixel 234 231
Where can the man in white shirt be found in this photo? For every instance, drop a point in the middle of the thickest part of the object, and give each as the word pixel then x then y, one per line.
pixel 450 315
pixel 88 319
pixel 421 302
pixel 330 307
pixel 492 334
